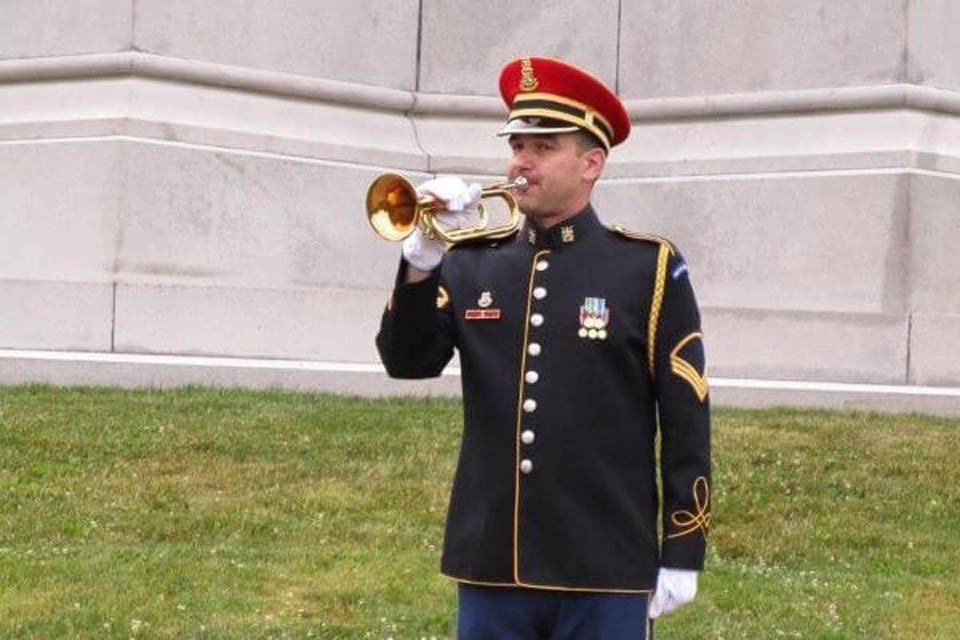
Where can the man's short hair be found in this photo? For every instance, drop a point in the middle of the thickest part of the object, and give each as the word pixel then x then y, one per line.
pixel 586 141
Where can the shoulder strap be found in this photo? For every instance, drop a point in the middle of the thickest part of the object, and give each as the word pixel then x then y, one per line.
pixel 646 237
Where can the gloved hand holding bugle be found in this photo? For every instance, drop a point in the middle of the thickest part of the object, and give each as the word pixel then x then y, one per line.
pixel 460 200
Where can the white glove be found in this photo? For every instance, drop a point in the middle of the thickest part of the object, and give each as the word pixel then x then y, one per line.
pixel 461 203
pixel 675 587
pixel 457 194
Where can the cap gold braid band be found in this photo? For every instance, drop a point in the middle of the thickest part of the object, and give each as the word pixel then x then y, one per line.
pixel 546 105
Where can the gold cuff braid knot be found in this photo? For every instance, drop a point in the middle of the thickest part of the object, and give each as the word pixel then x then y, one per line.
pixel 690 522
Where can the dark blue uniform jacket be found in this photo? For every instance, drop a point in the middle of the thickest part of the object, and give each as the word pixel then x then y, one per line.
pixel 575 343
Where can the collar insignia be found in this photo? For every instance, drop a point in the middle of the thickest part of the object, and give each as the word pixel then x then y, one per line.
pixel 531 236
pixel 567 234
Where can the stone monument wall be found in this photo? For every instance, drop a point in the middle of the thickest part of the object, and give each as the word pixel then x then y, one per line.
pixel 186 178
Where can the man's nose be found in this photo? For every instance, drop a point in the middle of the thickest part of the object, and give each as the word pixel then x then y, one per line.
pixel 520 162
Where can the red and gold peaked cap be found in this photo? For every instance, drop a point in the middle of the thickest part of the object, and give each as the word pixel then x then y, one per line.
pixel 562 97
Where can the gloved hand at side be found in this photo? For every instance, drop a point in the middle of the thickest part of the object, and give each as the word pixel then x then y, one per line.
pixel 461 203
pixel 675 587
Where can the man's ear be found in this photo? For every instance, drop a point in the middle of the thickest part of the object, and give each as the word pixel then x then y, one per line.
pixel 593 162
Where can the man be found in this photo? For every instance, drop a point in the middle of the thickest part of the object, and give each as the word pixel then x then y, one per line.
pixel 573 339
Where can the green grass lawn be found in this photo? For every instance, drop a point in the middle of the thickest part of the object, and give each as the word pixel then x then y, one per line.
pixel 237 514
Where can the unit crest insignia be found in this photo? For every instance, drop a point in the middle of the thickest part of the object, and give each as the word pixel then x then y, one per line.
pixel 594 319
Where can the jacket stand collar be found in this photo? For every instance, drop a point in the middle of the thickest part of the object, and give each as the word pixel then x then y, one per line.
pixel 570 231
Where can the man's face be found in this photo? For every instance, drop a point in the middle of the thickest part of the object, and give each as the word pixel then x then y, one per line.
pixel 560 176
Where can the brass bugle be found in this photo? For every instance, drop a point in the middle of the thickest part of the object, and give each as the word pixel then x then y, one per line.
pixel 395 209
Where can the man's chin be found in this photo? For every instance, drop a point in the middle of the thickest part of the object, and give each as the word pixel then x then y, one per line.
pixel 530 206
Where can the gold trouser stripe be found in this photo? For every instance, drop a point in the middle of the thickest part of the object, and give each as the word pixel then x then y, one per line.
pixel 686 370
pixel 516 460
pixel 653 323
pixel 646 630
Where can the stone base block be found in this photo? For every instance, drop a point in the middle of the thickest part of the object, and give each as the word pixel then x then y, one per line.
pixel 887 402
pixel 90 372
pixel 56 315
pixel 130 370
pixel 935 349
pixel 322 324
pixel 785 345
pixel 817 242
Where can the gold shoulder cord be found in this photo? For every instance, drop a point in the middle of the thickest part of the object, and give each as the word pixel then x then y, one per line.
pixel 656 303
pixel 639 235
pixel 663 256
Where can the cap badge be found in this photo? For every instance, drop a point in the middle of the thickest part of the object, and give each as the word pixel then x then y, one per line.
pixel 594 319
pixel 485 300
pixel 528 81
pixel 567 234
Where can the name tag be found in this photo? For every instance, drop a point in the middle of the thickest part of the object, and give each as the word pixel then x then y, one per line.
pixel 481 314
